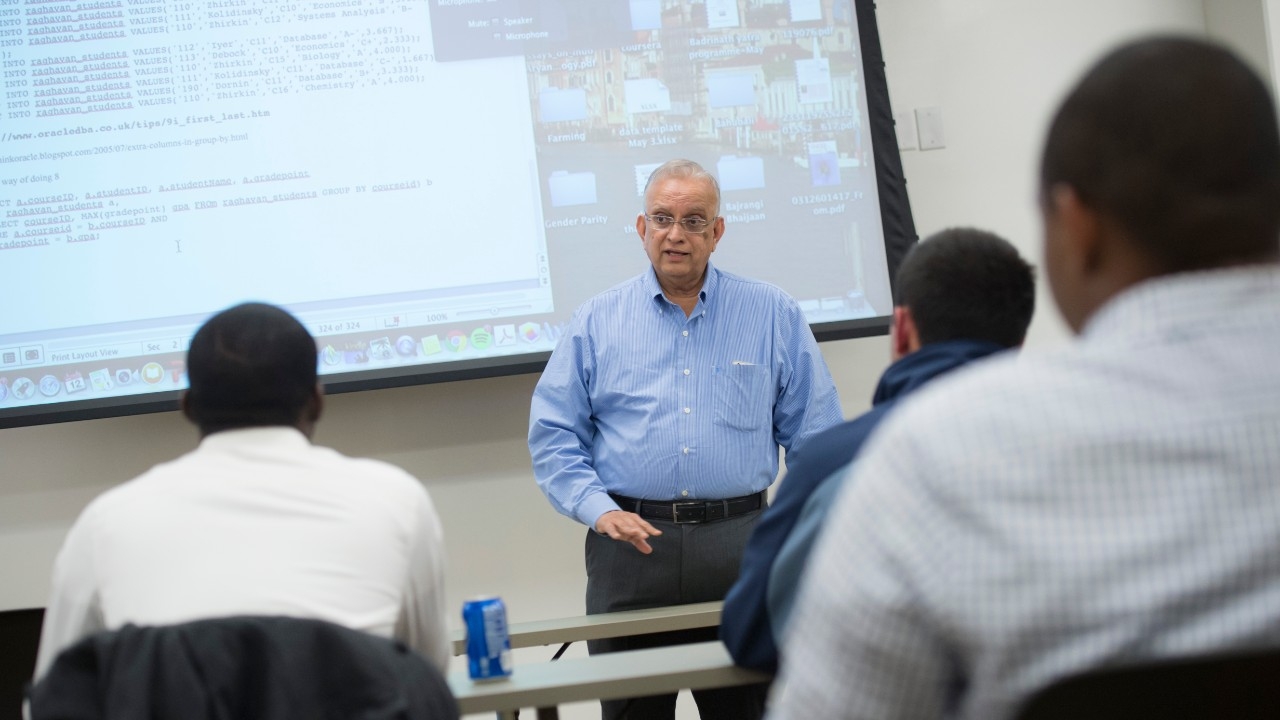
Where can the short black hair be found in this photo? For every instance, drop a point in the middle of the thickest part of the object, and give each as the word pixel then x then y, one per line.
pixel 252 365
pixel 1175 141
pixel 967 284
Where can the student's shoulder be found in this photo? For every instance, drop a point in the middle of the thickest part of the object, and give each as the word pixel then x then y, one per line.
pixel 999 395
pixel 373 473
pixel 128 496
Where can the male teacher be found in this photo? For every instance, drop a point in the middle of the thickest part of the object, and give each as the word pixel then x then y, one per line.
pixel 658 419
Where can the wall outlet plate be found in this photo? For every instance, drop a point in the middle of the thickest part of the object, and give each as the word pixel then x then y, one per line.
pixel 904 125
pixel 929 126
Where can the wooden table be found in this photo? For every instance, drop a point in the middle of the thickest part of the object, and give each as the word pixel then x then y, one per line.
pixel 606 625
pixel 635 673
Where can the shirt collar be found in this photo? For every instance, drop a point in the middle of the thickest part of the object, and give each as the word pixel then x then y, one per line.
pixel 930 361
pixel 274 435
pixel 710 282
pixel 1186 305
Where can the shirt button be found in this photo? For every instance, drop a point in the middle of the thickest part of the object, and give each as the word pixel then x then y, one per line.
pixel 684 493
pixel 686 371
pixel 686 333
pixel 686 451
pixel 687 411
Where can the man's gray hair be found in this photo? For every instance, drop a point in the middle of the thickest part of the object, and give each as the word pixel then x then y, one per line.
pixel 682 168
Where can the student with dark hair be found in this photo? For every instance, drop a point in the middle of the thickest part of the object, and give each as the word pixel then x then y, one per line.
pixel 252 366
pixel 1115 501
pixel 256 520
pixel 960 296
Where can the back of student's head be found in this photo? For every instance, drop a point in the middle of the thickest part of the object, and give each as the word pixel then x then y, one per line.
pixel 967 284
pixel 253 365
pixel 1175 142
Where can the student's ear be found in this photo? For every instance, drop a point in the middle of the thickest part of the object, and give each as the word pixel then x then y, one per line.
pixel 1074 254
pixel 184 404
pixel 1079 228
pixel 904 339
pixel 315 408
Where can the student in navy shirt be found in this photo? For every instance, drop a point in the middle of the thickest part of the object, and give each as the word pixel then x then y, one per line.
pixel 961 295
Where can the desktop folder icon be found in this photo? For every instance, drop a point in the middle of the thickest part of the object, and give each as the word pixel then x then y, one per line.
pixel 561 105
pixel 646 95
pixel 731 89
pixel 722 13
pixel 643 171
pixel 805 10
pixel 813 80
pixel 572 188
pixel 740 173
pixel 824 163
pixel 646 14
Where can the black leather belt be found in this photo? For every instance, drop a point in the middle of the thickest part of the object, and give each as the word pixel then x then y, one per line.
pixel 696 511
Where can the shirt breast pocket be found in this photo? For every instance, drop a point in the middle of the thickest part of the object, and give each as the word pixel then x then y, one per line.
pixel 743 397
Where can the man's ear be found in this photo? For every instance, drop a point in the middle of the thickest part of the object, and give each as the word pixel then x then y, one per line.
pixel 640 225
pixel 1087 256
pixel 903 336
pixel 184 404
pixel 315 408
pixel 1080 230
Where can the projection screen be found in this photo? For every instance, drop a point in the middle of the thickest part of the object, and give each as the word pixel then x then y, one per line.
pixel 431 187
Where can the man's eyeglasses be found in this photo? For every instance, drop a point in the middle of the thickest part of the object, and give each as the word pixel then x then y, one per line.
pixel 694 225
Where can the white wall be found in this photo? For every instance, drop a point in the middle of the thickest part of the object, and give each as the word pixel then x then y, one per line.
pixel 995 67
pixel 1271 14
pixel 1241 25
pixel 998 68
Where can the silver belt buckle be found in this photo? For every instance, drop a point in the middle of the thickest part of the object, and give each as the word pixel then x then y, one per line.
pixel 677 506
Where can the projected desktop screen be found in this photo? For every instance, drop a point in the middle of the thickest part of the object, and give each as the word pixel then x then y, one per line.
pixel 431 187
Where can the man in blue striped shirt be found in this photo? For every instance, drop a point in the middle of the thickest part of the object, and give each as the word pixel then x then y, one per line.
pixel 658 419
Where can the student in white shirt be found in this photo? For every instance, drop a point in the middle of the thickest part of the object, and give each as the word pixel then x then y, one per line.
pixel 256 520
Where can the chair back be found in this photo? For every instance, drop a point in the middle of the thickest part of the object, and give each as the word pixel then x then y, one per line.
pixel 1242 685
pixel 243 668
pixel 19 638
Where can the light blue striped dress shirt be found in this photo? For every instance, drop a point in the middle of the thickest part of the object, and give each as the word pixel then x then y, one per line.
pixel 1032 517
pixel 640 400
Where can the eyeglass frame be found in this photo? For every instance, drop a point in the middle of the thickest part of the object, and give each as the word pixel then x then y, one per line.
pixel 707 224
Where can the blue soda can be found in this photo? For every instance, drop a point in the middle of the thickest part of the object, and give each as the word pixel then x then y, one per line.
pixel 488 644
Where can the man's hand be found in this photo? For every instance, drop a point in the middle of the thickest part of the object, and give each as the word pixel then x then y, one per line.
pixel 628 527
